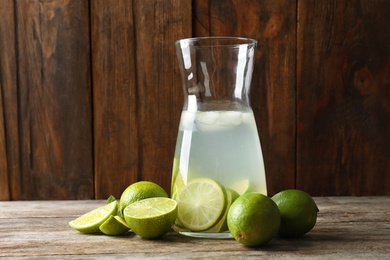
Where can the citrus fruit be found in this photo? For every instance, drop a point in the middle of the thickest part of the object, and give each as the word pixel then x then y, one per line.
pixel 90 222
pixel 253 219
pixel 234 194
pixel 298 212
pixel 201 204
pixel 114 226
pixel 242 186
pixel 151 218
pixel 138 191
pixel 221 226
pixel 177 180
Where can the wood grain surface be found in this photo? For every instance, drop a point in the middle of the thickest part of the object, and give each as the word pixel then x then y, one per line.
pixel 160 95
pixel 343 97
pixel 90 92
pixel 9 142
pixel 53 101
pixel 115 103
pixel 347 228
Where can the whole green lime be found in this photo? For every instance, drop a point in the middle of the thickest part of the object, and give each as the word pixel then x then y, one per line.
pixel 253 219
pixel 139 191
pixel 298 212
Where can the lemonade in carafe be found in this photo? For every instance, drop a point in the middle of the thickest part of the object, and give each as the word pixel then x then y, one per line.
pixel 218 154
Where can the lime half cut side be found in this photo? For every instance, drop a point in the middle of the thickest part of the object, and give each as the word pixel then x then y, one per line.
pixel 151 218
pixel 201 204
pixel 90 222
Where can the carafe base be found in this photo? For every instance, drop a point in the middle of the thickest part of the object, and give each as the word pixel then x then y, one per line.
pixel 223 235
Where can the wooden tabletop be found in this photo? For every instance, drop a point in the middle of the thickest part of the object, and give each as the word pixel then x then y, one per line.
pixel 347 228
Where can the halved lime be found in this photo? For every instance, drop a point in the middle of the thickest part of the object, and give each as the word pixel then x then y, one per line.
pixel 114 226
pixel 90 222
pixel 138 191
pixel 201 204
pixel 151 218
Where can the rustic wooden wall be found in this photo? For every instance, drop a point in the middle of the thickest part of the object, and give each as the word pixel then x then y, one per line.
pixel 90 93
pixel 343 108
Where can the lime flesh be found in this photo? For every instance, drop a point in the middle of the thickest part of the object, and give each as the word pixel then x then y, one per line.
pixel 221 226
pixel 90 222
pixel 114 226
pixel 151 218
pixel 138 191
pixel 201 204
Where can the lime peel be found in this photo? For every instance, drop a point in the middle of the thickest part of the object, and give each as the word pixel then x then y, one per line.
pixel 298 212
pixel 90 221
pixel 114 226
pixel 138 191
pixel 253 219
pixel 151 218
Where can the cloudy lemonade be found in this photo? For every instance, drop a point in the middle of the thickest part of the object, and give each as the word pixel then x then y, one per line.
pixel 220 145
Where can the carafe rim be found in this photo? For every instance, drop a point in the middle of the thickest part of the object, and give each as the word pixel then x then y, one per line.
pixel 217 41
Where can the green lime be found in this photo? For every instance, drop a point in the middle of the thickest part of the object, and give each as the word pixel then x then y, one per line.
pixel 221 226
pixel 298 212
pixel 138 191
pixel 90 222
pixel 253 219
pixel 151 218
pixel 114 226
pixel 201 204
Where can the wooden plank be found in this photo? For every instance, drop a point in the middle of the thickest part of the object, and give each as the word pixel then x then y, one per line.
pixel 201 18
pixel 273 25
pixel 115 97
pixel 347 228
pixel 343 112
pixel 54 100
pixel 8 100
pixel 159 24
pixel 4 179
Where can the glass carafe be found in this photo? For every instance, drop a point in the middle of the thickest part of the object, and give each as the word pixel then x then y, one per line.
pixel 218 154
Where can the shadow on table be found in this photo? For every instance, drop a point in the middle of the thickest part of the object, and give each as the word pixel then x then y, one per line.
pixel 308 241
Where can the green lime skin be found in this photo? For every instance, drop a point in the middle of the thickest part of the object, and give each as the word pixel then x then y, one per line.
pixel 114 226
pixel 253 219
pixel 151 218
pixel 298 212
pixel 91 221
pixel 138 191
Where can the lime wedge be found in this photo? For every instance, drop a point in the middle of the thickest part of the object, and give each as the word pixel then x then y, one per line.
pixel 201 204
pixel 151 218
pixel 90 222
pixel 177 180
pixel 221 226
pixel 114 226
pixel 242 186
